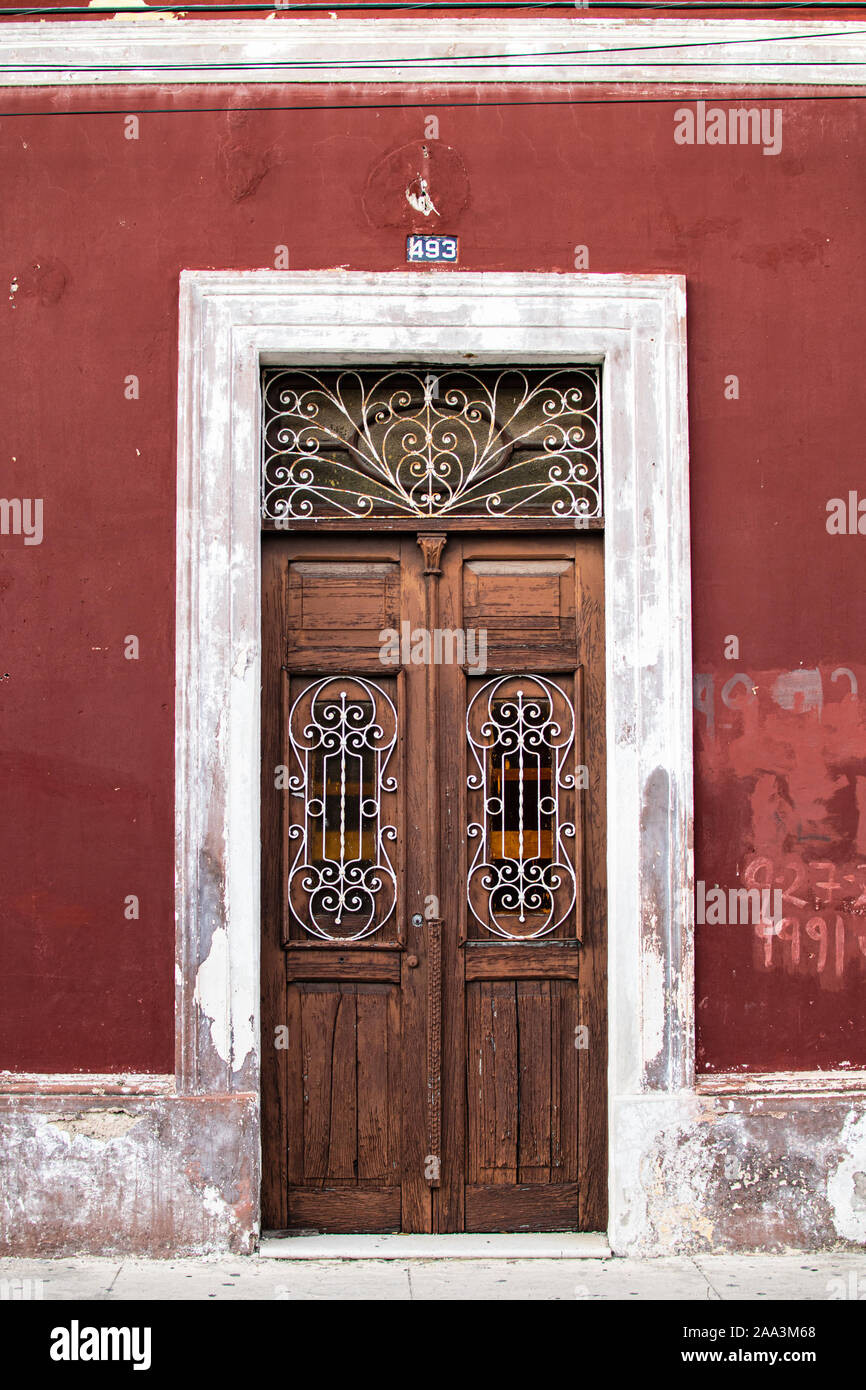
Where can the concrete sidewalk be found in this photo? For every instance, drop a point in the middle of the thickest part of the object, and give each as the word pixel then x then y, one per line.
pixel 754 1277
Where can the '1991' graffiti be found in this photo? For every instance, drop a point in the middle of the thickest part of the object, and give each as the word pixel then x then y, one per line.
pixel 824 921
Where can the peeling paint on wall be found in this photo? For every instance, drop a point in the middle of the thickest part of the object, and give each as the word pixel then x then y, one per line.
pixel 233 1047
pixel 159 1176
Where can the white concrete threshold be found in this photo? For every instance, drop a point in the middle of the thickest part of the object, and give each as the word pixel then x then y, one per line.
pixel 564 1245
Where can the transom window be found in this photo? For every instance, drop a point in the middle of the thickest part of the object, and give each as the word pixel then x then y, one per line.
pixel 431 441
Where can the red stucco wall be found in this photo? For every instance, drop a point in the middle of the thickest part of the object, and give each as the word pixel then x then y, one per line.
pixel 97 229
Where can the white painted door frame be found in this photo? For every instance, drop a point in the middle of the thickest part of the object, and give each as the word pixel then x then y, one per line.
pixel 231 323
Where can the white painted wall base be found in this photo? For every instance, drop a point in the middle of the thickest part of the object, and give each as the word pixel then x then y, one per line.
pixel 767 1172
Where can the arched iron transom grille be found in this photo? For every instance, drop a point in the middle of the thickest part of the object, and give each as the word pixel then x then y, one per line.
pixel 431 441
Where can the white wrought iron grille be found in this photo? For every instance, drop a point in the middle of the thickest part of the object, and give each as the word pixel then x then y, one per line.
pixel 341 884
pixel 522 881
pixel 431 442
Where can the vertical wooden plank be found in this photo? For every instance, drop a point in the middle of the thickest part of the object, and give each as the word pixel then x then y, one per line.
pixel 295 1089
pixel 498 1116
pixel 534 1077
pixel 570 1097
pixel 486 1113
pixel 505 1056
pixel 592 1174
pixel 275 1062
pixel 416 1200
pixel 483 1119
pixel 558 1119
pixel 432 545
pixel 319 1005
pixel 449 1201
pixel 343 1146
pixel 374 1091
pixel 474 1082
pixel 394 1100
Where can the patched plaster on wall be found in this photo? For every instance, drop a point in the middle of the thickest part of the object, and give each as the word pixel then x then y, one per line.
pixel 101 1125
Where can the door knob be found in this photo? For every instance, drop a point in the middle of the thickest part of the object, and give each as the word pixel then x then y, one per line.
pixel 411 961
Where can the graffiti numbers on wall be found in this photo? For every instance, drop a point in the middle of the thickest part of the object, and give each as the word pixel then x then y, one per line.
pixel 823 927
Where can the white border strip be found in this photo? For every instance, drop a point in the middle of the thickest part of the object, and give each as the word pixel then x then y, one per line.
pixel 577 51
pixel 635 325
pixel 564 1245
pixel 90 1084
pixel 781 1083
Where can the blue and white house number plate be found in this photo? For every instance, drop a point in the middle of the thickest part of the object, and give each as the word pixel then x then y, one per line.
pixel 431 248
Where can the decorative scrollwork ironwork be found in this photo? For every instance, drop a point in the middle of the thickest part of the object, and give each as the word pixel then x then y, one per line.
pixel 342 885
pixel 522 882
pixel 437 442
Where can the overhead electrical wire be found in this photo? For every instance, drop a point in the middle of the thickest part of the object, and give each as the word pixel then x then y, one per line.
pixel 364 65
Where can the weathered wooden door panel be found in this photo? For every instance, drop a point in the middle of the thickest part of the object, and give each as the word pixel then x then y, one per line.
pixel 344 1102
pixel 339 606
pixel 522 1078
pixel 433 883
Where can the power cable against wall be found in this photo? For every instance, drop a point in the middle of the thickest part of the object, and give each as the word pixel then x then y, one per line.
pixel 364 65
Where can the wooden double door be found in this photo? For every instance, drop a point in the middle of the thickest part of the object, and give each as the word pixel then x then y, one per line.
pixel 433 820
